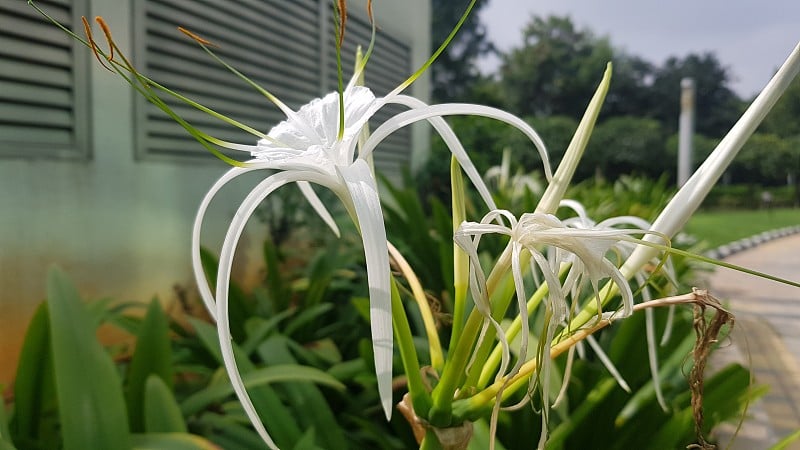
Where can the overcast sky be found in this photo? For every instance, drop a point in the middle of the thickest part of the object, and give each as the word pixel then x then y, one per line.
pixel 750 37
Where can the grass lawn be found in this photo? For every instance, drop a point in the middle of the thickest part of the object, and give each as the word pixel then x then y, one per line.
pixel 720 227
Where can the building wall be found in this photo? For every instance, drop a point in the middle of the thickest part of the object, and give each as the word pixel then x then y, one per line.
pixel 120 224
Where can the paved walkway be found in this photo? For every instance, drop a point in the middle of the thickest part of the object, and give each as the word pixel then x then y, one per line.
pixel 766 337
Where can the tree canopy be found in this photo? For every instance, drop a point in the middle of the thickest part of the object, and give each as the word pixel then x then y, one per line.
pixel 549 77
pixel 456 70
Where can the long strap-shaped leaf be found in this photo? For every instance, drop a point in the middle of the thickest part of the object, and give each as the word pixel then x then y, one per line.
pixel 90 400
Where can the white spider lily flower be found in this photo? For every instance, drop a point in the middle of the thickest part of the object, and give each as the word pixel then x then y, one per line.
pixel 624 249
pixel 550 244
pixel 308 147
pixel 585 249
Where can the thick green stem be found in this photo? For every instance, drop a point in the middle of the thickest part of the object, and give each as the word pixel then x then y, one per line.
pixel 455 367
pixel 408 354
pixel 460 258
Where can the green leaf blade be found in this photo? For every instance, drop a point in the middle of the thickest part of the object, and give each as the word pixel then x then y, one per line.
pixel 91 405
pixel 153 356
pixel 161 412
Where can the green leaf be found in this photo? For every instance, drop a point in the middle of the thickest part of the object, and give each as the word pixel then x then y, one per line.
pixel 305 317
pixel 171 441
pixel 481 438
pixel 276 416
pixel 279 293
pixel 306 400
pixel 589 406
pixel 161 412
pixel 258 329
pixel 89 392
pixel 35 420
pixel 5 435
pixel 307 442
pixel 153 356
pixel 228 432
pixel 784 443
pixel 258 377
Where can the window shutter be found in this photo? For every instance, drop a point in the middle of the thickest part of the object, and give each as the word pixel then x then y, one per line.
pixel 275 43
pixel 285 47
pixel 388 66
pixel 44 88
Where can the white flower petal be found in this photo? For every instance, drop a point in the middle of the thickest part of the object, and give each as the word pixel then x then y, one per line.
pixel 197 265
pixel 248 206
pixel 364 195
pixel 612 369
pixel 318 206
pixel 428 112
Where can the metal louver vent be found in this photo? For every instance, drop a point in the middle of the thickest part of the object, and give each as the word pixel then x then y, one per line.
pixel 389 65
pixel 43 83
pixel 277 44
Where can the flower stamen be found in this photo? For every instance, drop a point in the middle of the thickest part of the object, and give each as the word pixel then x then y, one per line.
pixel 196 37
pixel 87 29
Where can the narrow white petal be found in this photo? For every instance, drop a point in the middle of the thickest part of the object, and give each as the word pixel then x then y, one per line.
pixel 235 230
pixel 197 265
pixel 245 211
pixel 522 304
pixel 318 206
pixel 427 112
pixel 364 194
pixel 601 355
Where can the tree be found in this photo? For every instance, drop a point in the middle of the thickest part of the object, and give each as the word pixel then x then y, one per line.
pixel 717 106
pixel 556 70
pixel 783 119
pixel 629 93
pixel 455 72
pixel 623 145
pixel 767 160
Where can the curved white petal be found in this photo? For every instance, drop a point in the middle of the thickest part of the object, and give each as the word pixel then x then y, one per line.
pixel 197 265
pixel 245 211
pixel 319 207
pixel 428 112
pixel 364 195
pixel 450 139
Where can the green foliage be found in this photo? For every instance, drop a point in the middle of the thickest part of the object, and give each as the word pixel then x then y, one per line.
pixel 717 106
pixel 766 159
pixel 68 392
pixel 716 228
pixel 702 146
pixel 782 119
pixel 34 423
pixel 627 196
pixel 555 71
pixel 91 405
pixel 306 360
pixel 174 384
pixel 152 357
pixel 595 405
pixel 455 70
pixel 161 411
pixel 624 145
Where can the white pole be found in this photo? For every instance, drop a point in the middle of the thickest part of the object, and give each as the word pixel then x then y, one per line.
pixel 685 131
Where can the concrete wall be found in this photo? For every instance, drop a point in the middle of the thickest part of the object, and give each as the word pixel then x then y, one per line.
pixel 118 226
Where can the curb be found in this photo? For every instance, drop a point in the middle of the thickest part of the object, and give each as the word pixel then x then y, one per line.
pixel 723 251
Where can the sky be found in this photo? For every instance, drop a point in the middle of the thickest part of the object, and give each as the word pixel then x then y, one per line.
pixel 750 37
